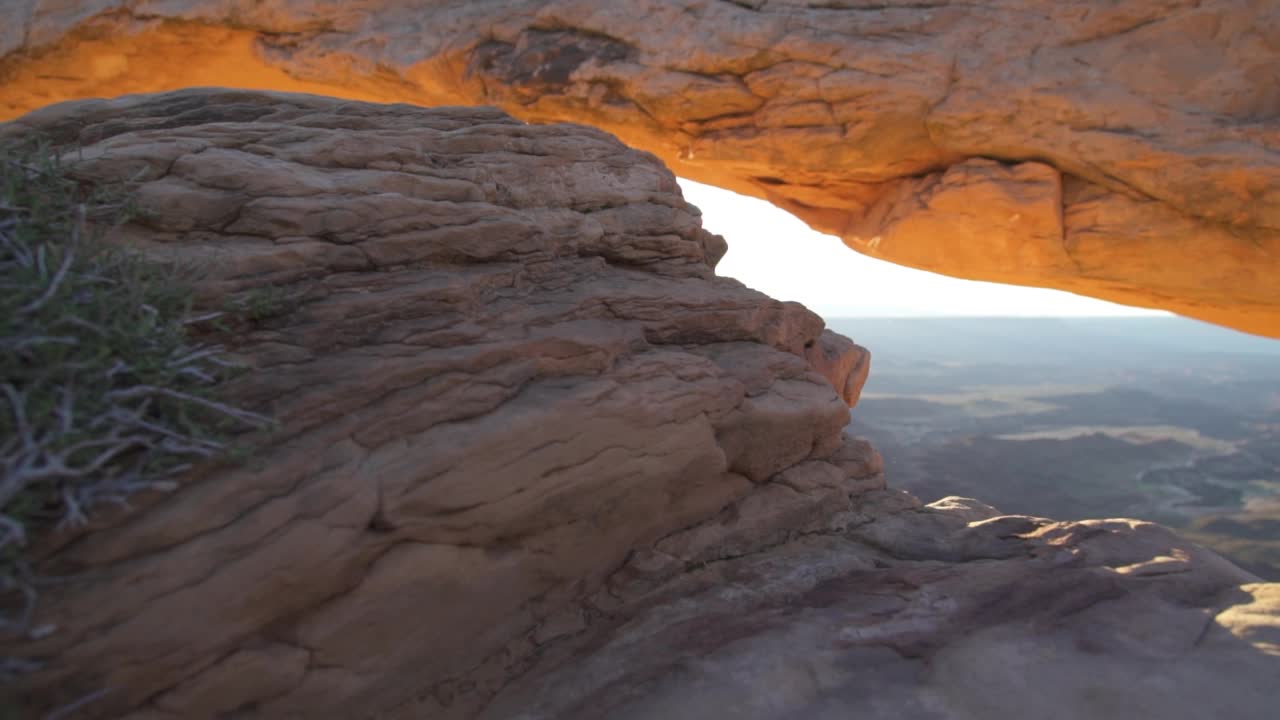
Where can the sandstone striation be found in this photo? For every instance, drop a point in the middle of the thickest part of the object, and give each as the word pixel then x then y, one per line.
pixel 535 460
pixel 941 612
pixel 500 361
pixel 1128 151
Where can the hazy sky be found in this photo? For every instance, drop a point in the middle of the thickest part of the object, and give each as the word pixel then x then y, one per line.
pixel 777 254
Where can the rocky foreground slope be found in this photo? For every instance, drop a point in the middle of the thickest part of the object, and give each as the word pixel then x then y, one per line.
pixel 536 461
pixel 1125 150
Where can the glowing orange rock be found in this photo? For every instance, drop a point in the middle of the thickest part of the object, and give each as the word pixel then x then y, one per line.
pixel 1158 122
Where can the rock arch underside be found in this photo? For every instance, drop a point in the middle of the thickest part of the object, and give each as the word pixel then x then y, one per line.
pixel 534 459
pixel 1128 151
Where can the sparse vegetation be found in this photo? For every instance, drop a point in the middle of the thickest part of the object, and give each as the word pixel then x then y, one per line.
pixel 103 392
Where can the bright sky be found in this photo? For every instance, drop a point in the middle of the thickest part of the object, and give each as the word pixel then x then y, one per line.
pixel 773 252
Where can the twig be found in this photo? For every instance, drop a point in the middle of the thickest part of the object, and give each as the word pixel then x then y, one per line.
pixel 67 258
pixel 250 418
pixel 66 710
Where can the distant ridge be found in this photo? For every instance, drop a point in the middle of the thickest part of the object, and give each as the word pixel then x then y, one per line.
pixel 1048 339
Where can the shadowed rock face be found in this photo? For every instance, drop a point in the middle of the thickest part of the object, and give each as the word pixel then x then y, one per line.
pixel 536 461
pixel 1127 151
pixel 943 612
pixel 501 363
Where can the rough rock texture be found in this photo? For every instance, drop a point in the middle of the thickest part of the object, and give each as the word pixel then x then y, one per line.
pixel 1126 150
pixel 500 361
pixel 536 461
pixel 942 612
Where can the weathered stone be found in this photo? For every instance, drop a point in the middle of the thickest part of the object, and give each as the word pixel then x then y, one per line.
pixel 1055 625
pixel 535 460
pixel 1129 152
pixel 502 363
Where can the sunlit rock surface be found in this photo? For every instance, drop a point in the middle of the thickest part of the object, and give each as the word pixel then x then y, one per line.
pixel 1128 151
pixel 536 461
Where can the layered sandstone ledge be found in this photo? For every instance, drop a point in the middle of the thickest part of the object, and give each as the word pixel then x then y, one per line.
pixel 536 461
pixel 505 364
pixel 1127 151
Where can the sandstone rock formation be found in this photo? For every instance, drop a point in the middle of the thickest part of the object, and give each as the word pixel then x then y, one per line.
pixel 941 612
pixel 509 365
pixel 1128 151
pixel 536 461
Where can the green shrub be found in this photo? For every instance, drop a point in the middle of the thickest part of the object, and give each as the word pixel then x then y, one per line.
pixel 103 392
